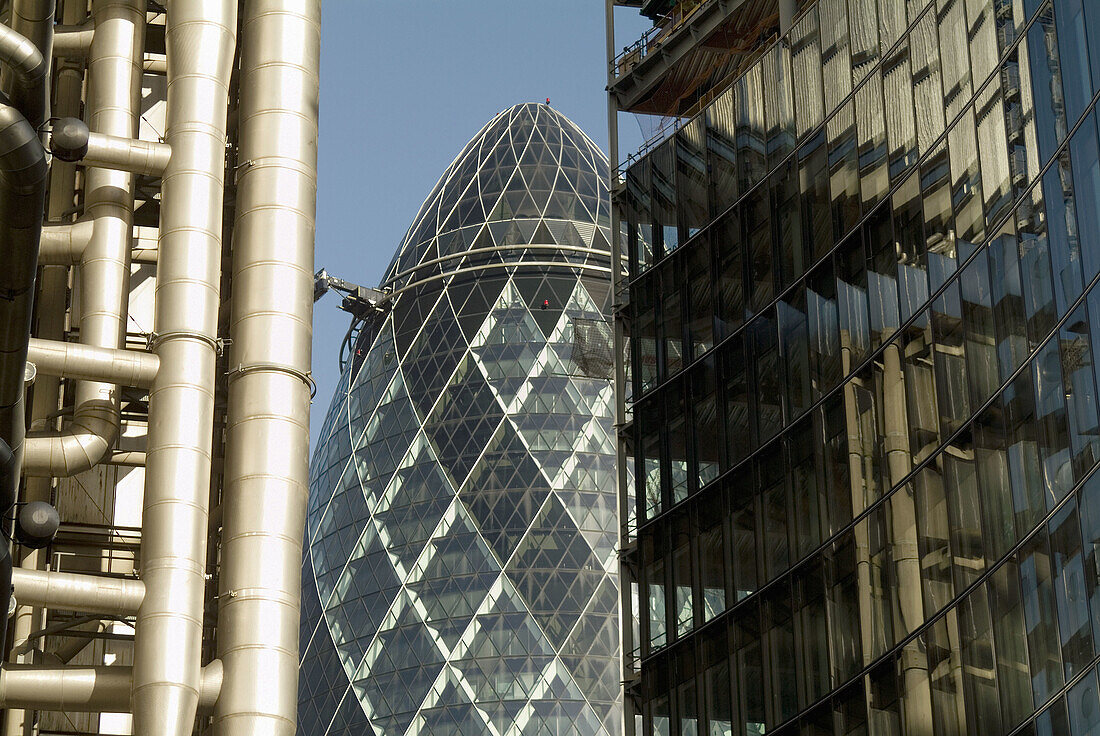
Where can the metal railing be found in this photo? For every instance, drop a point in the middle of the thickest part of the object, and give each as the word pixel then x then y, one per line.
pixel 652 39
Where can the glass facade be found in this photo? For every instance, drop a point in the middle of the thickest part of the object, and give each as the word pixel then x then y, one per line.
pixel 461 574
pixel 864 416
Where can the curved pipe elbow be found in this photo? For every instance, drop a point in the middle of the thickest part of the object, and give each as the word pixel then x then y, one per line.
pixel 83 444
pixel 30 69
pixel 62 245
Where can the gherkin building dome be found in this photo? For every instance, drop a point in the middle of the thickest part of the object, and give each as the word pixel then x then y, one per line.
pixel 460 574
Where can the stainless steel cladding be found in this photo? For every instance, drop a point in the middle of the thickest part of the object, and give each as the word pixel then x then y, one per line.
pixel 168 601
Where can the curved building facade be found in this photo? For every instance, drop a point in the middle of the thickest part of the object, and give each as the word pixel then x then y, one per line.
pixel 460 573
pixel 863 293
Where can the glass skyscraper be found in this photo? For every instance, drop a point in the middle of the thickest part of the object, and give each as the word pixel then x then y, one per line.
pixel 461 574
pixel 862 311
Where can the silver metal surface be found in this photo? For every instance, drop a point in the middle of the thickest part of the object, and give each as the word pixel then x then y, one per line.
pixel 113 103
pixel 125 154
pixel 63 244
pixel 181 402
pixel 99 689
pixel 22 191
pixel 73 41
pixel 73 360
pixel 89 249
pixel 73 592
pixel 267 441
pixel 26 61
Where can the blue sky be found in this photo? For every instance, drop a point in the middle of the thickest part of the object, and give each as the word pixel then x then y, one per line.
pixel 404 85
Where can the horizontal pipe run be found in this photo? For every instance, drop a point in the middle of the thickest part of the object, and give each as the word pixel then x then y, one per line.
pixel 80 689
pixel 74 592
pixel 91 363
pixel 125 154
pixel 72 42
pixel 127 459
pixel 101 689
pixel 63 245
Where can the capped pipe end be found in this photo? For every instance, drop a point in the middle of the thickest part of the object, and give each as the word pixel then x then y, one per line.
pixel 69 139
pixel 37 524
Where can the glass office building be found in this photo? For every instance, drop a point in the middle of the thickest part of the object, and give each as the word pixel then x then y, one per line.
pixel 862 317
pixel 461 574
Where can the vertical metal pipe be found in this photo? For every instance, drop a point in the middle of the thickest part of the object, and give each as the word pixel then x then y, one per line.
pixel 626 576
pixel 54 281
pixel 200 39
pixel 114 91
pixel 22 195
pixel 267 439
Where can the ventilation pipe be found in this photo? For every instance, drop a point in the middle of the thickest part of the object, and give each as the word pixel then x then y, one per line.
pixel 84 362
pixel 71 140
pixel 27 67
pixel 75 592
pixel 267 435
pixel 22 196
pixel 181 402
pixel 114 71
pixel 103 689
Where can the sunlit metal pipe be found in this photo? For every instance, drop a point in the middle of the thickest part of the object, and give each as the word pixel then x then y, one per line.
pixel 128 459
pixel 86 689
pixel 74 592
pixel 267 435
pixel 177 478
pixel 85 362
pixel 126 154
pixel 73 41
pixel 64 244
pixel 114 68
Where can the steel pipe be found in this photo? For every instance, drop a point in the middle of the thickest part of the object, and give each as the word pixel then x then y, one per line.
pixel 114 69
pixel 85 362
pixel 181 407
pixel 125 154
pixel 267 434
pixel 86 689
pixel 64 244
pixel 75 592
pixel 128 459
pixel 22 194
pixel 26 67
pixel 73 42
pixel 35 20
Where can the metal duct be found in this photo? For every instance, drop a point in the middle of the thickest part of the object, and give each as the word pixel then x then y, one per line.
pixel 74 592
pixel 267 435
pixel 114 71
pixel 64 244
pixel 73 360
pixel 22 195
pixel 71 140
pixel 73 41
pixel 139 157
pixel 86 689
pixel 27 68
pixel 177 479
